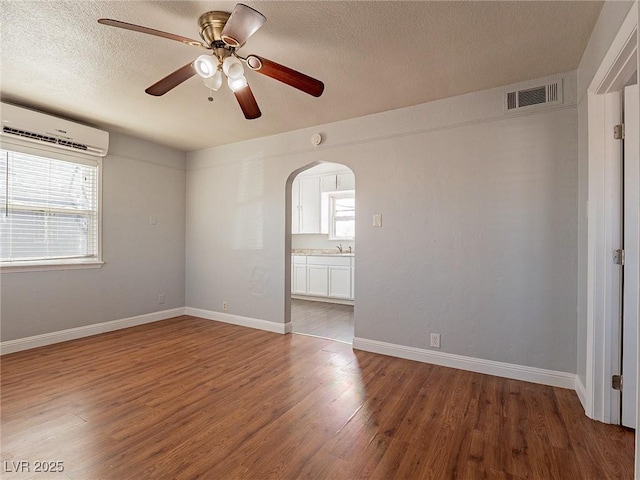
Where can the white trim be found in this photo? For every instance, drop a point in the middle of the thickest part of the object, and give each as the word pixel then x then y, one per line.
pixel 239 320
pixel 310 298
pixel 479 365
pixel 602 342
pixel 27 343
pixel 618 55
pixel 582 392
pixel 43 267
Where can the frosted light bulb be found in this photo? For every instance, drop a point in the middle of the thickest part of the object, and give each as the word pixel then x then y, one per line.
pixel 214 82
pixel 236 84
pixel 232 67
pixel 205 66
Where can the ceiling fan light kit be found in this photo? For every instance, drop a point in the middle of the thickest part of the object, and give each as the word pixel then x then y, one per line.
pixel 223 34
pixel 214 82
pixel 232 67
pixel 236 84
pixel 206 66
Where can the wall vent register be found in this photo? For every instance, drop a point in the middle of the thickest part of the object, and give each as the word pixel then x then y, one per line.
pixel 548 94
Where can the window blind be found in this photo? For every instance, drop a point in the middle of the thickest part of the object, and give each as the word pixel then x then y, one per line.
pixel 48 209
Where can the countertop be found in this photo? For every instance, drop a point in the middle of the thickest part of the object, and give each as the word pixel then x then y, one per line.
pixel 320 252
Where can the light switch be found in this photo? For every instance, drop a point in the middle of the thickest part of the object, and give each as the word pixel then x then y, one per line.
pixel 377 220
pixel 153 219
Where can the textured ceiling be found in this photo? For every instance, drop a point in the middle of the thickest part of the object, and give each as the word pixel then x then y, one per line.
pixel 372 57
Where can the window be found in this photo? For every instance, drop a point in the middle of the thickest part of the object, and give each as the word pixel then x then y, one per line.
pixel 342 215
pixel 48 211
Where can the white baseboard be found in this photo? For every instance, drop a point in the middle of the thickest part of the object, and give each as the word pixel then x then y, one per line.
pixel 309 298
pixel 479 365
pixel 27 343
pixel 238 320
pixel 581 390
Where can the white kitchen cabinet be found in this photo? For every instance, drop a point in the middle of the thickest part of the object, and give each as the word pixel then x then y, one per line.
pixel 340 282
pixel 353 279
pixel 305 205
pixel 337 182
pixel 346 181
pixel 328 276
pixel 318 280
pixel 299 275
pixel 295 206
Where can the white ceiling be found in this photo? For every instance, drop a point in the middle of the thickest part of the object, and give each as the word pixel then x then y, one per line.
pixel 372 56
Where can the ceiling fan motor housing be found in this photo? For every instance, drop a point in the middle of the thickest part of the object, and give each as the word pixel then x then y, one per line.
pixel 211 25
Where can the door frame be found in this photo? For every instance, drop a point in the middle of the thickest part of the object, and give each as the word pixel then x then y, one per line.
pixel 288 235
pixel 603 341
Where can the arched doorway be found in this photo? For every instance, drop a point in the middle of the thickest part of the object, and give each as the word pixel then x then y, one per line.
pixel 321 251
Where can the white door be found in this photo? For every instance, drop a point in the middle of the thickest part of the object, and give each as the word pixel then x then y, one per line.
pixel 631 283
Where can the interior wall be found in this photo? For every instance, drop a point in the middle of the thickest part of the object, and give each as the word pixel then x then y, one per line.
pixel 611 17
pixel 479 226
pixel 140 179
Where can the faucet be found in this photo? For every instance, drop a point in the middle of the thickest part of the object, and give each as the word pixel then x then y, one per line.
pixel 350 249
pixel 339 247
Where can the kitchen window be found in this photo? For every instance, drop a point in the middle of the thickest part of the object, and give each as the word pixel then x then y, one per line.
pixel 49 211
pixel 342 215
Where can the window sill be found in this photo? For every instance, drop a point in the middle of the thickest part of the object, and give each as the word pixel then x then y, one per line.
pixel 43 267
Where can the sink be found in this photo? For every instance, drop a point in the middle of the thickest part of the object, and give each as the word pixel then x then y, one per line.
pixel 326 254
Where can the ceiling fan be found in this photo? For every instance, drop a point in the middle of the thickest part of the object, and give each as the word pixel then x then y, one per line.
pixel 223 34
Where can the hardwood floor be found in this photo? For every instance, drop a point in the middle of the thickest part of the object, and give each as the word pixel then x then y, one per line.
pixel 322 319
pixel 188 398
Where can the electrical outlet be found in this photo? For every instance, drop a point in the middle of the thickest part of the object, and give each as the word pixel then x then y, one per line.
pixel 225 306
pixel 435 340
pixel 161 298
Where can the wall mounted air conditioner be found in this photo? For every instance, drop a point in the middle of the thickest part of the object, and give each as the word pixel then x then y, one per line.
pixel 34 127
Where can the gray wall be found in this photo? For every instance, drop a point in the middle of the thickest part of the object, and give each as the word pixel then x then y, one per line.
pixel 141 261
pixel 479 236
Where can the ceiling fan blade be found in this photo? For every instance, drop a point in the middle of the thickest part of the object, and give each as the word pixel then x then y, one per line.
pixel 172 80
pixel 151 31
pixel 243 22
pixel 247 103
pixel 286 75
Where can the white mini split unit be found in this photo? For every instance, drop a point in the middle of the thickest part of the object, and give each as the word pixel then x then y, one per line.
pixel 30 127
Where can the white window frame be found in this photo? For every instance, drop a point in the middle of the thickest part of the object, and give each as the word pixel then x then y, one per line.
pixel 332 196
pixel 59 264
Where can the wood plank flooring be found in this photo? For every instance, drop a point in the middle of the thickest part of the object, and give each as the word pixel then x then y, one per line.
pixel 322 319
pixel 188 398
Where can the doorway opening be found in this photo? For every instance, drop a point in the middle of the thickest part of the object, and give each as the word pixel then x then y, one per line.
pixel 612 250
pixel 322 251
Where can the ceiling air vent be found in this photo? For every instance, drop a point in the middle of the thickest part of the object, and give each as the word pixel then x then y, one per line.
pixel 531 96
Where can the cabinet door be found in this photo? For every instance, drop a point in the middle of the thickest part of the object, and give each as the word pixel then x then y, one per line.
pixel 329 183
pixel 318 280
pixel 340 282
pixel 299 282
pixel 310 205
pixel 345 181
pixel 295 206
pixel 353 283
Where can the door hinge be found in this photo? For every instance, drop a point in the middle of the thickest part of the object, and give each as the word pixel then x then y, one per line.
pixel 616 382
pixel 618 131
pixel 618 257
